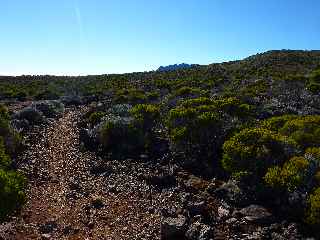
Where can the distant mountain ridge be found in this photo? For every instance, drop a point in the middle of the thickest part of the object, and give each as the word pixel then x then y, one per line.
pixel 174 67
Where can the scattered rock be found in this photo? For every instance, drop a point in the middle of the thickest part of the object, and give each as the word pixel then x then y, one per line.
pixel 172 228
pixel 45 236
pixel 223 212
pixel 197 208
pixel 199 231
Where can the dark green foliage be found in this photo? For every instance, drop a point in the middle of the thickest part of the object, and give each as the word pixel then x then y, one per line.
pixel 257 88
pixel 47 95
pixel 95 117
pixel 185 91
pixel 11 192
pixel 276 123
pixel 11 183
pixel 314 82
pixel 304 130
pixel 145 115
pixel 198 127
pixel 153 96
pixel 313 209
pixel 290 176
pixel 132 96
pixel 5 160
pixel 314 87
pixel 11 139
pixel 254 150
pixel 315 76
pixel 121 138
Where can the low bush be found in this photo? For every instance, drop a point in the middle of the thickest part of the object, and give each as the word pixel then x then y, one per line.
pixel 11 192
pixel 145 115
pixel 254 150
pixel 95 117
pixel 132 96
pixel 313 209
pixel 304 130
pixel 290 176
pixel 314 82
pixel 11 139
pixel 185 91
pixel 4 158
pixel 198 127
pixel 119 136
pixel 11 184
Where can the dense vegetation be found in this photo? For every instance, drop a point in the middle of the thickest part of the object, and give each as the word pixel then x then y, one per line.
pixel 256 121
pixel 11 182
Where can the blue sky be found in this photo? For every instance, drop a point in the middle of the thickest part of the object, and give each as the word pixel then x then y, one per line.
pixel 79 37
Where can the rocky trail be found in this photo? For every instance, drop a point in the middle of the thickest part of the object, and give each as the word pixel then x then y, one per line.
pixel 70 198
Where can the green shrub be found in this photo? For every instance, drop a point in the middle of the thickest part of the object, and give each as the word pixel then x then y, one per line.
pixel 133 96
pixel 145 115
pixel 304 130
pixel 11 185
pixel 290 176
pixel 195 102
pixel 121 137
pixel 254 150
pixel 254 89
pixel 193 128
pixel 313 87
pixel 11 192
pixel 313 209
pixel 152 96
pixel 184 91
pixel 4 158
pixel 314 82
pixel 198 127
pixel 314 152
pixel 315 76
pixel 95 117
pixel 4 113
pixel 10 138
pixel 276 123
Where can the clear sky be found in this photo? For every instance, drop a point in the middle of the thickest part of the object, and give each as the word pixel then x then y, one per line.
pixel 79 37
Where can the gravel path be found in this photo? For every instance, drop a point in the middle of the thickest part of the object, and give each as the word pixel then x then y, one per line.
pixel 67 201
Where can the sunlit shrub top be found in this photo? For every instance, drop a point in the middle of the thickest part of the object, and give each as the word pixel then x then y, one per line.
pixel 290 176
pixel 255 150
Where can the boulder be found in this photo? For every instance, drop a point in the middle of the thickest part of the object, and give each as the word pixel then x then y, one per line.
pixel 257 214
pixel 232 193
pixel 31 115
pixel 173 228
pixel 49 108
pixel 197 208
pixel 20 125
